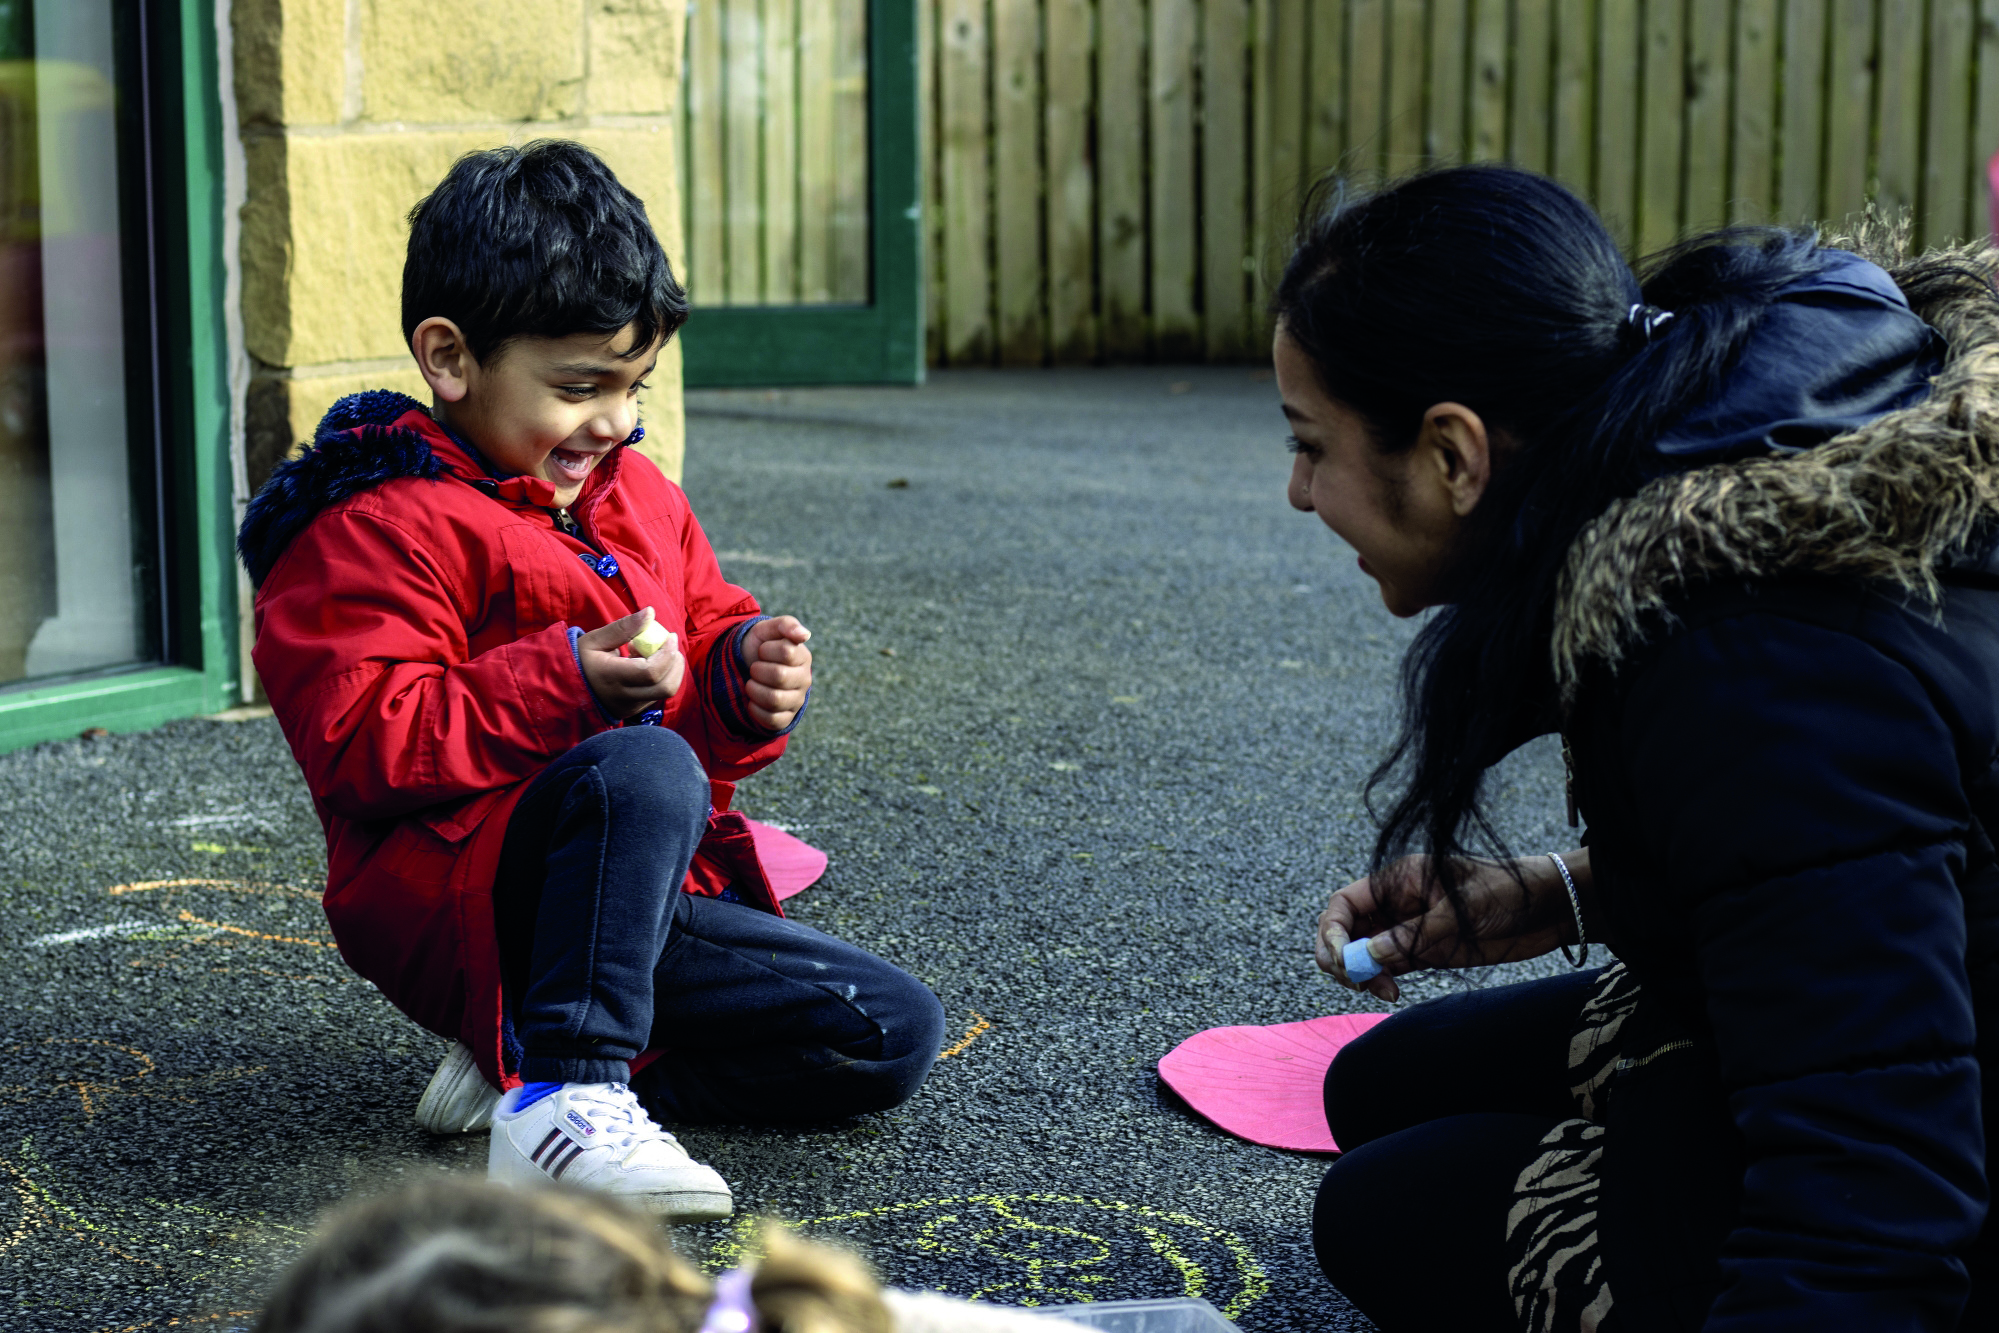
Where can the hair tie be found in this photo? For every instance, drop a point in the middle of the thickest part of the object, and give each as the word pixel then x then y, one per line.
pixel 1643 322
pixel 731 1311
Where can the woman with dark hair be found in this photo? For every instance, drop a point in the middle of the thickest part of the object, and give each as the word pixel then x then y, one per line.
pixel 1733 532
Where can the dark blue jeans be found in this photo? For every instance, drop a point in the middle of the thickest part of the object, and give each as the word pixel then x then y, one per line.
pixel 602 955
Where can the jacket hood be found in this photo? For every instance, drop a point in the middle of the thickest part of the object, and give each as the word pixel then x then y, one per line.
pixel 1833 350
pixel 1893 500
pixel 363 441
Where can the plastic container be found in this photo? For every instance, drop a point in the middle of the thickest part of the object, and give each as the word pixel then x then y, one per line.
pixel 1182 1314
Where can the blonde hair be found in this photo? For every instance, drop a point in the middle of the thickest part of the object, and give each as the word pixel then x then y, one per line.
pixel 456 1256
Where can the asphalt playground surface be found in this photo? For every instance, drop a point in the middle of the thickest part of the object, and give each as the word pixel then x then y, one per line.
pixel 1092 713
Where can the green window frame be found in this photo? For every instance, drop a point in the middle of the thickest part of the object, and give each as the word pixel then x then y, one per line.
pixel 179 125
pixel 877 343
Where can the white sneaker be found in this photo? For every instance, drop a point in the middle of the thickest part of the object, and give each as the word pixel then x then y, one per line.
pixel 458 1099
pixel 596 1135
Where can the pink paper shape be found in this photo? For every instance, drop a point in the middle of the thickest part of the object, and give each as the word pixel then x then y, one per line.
pixel 1265 1084
pixel 792 866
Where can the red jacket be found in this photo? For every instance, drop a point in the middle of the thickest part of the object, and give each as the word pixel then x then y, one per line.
pixel 413 617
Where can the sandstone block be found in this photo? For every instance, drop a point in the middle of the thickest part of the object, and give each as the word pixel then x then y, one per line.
pixel 454 61
pixel 635 56
pixel 284 412
pixel 290 61
pixel 349 197
pixel 265 251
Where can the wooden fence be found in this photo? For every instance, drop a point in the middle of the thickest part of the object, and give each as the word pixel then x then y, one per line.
pixel 1114 179
pixel 774 157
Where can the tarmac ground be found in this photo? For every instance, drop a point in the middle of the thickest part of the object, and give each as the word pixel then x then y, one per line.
pixel 1092 712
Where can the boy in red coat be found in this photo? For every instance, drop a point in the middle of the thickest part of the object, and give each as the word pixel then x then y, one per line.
pixel 524 850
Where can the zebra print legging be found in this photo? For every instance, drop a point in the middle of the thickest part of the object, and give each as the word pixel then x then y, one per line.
pixel 1441 1111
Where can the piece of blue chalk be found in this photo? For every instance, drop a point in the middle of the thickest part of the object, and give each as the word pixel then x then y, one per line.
pixel 1361 965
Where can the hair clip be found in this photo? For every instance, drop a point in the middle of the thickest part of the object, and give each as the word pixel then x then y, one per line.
pixel 638 433
pixel 1643 322
pixel 732 1310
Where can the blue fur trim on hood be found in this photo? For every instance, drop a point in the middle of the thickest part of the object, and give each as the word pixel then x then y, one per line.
pixel 355 449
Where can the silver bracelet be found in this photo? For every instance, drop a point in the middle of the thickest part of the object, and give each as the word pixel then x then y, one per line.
pixel 1576 906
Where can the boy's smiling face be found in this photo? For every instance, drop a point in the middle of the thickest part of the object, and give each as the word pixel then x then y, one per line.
pixel 547 407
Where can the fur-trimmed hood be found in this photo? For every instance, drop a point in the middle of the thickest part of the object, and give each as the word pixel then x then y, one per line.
pixel 1894 502
pixel 362 442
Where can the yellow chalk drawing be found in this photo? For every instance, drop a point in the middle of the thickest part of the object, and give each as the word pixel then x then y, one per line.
pixel 188 1322
pixel 1054 1256
pixel 208 929
pixel 60 1056
pixel 31 1211
pixel 972 1034
pixel 192 919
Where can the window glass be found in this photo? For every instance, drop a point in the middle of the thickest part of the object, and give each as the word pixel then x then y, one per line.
pixel 71 562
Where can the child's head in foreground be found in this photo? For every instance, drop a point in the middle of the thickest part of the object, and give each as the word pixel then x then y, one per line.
pixel 457 1256
pixel 536 299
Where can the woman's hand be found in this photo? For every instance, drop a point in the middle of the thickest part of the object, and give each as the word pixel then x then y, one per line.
pixel 1517 910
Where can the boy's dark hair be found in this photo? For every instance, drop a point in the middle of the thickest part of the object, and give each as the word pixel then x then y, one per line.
pixel 537 241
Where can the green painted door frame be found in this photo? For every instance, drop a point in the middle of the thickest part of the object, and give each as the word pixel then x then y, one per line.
pixel 183 157
pixel 877 343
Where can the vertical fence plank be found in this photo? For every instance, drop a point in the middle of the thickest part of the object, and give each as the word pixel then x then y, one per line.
pixel 933 183
pixel 1899 140
pixel 1849 107
pixel 1444 117
pixel 1617 119
pixel 1801 134
pixel 706 259
pixel 1366 87
pixel 1017 284
pixel 1528 133
pixel 780 152
pixel 1176 212
pixel 1121 221
pixel 1573 134
pixel 816 63
pixel 1325 85
pixel 1752 175
pixel 1947 164
pixel 1225 150
pixel 1071 187
pixel 1985 118
pixel 852 224
pixel 1489 42
pixel 1661 133
pixel 1407 59
pixel 968 332
pixel 1709 37
pixel 1283 123
pixel 743 159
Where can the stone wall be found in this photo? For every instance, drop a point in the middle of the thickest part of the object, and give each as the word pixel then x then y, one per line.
pixel 351 110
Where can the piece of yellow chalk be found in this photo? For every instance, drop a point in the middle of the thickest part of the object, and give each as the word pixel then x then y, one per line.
pixel 651 639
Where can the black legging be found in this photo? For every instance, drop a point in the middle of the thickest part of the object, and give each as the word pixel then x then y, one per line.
pixel 1439 1110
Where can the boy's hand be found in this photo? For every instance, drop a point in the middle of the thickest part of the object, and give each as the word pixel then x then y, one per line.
pixel 780 670
pixel 629 685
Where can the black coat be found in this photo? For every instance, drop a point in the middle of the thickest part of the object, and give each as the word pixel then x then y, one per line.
pixel 1781 798
pixel 1781 690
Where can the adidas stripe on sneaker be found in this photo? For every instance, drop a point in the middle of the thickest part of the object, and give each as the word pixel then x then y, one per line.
pixel 596 1135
